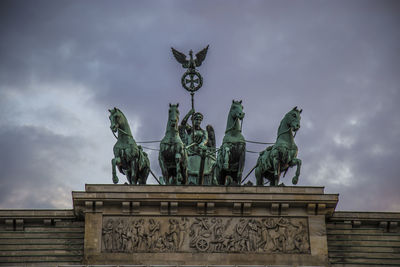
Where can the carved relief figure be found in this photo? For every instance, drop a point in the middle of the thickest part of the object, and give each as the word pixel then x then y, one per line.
pixel 206 234
pixel 108 236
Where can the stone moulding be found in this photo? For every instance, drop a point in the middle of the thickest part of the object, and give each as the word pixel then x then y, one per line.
pixel 128 234
pixel 203 200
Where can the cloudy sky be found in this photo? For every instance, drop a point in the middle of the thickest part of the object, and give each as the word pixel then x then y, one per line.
pixel 63 64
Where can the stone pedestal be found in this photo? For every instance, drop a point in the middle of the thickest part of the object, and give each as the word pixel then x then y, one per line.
pixel 204 225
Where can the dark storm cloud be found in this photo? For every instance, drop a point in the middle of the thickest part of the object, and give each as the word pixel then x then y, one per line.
pixel 33 162
pixel 338 61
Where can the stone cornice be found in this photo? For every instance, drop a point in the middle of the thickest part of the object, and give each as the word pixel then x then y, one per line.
pixel 194 200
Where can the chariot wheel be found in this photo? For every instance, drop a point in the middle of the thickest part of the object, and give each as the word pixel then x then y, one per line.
pixel 202 244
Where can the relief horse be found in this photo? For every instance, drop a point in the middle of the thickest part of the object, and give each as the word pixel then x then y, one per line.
pixel 283 154
pixel 130 159
pixel 173 156
pixel 231 155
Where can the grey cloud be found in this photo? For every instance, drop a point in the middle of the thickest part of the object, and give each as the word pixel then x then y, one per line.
pixel 336 60
pixel 32 164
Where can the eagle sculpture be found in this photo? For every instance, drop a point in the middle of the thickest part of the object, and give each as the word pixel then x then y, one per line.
pixel 191 63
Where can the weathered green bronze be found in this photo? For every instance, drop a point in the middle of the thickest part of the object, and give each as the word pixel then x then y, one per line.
pixel 231 155
pixel 201 161
pixel 191 80
pixel 200 146
pixel 172 156
pixel 130 159
pixel 283 154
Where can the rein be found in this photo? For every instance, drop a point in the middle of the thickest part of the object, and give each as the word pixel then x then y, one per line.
pixel 294 135
pixel 122 131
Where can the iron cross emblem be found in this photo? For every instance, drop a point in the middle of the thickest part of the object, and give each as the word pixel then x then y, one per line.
pixel 191 79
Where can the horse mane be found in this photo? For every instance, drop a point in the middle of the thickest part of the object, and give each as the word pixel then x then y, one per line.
pixel 228 126
pixel 126 121
pixel 281 125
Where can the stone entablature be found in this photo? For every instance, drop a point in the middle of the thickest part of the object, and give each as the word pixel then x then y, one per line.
pixel 40 238
pixel 204 225
pixel 199 226
pixel 364 238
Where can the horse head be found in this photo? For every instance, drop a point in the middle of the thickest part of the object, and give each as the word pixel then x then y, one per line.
pixel 115 119
pixel 236 110
pixel 173 116
pixel 236 114
pixel 119 123
pixel 292 119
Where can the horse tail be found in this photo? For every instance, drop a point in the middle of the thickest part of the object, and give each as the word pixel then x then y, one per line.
pixel 262 161
pixel 143 160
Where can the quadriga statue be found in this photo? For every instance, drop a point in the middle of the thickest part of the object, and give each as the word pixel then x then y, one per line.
pixel 283 154
pixel 231 155
pixel 130 159
pixel 172 156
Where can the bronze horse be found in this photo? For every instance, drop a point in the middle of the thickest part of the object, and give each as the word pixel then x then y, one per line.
pixel 172 156
pixel 231 155
pixel 130 159
pixel 283 154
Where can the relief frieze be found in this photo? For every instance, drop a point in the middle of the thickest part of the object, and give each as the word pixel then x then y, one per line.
pixel 126 234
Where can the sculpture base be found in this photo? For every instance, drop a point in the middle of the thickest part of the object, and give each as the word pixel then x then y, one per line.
pixel 204 225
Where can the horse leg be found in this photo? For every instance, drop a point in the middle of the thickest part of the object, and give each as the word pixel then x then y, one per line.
pixel 114 163
pixel 217 173
pixel 129 177
pixel 179 176
pixel 164 169
pixel 259 177
pixel 134 175
pixel 297 162
pixel 226 158
pixel 241 166
pixel 142 176
pixel 275 162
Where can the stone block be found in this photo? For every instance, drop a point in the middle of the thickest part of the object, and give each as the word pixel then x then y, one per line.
pixel 393 227
pixel 284 208
pixel 321 209
pixel 135 207
pixel 201 207
pixel 164 208
pixel 98 206
pixel 173 209
pixel 275 209
pixel 237 208
pixel 210 207
pixel 311 209
pixel 356 224
pixel 19 224
pixel 126 207
pixel 89 206
pixel 9 224
pixel 383 225
pixel 247 208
